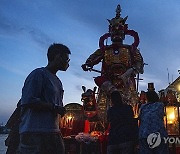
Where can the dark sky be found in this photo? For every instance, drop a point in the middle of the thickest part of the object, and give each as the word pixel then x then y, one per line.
pixel 27 28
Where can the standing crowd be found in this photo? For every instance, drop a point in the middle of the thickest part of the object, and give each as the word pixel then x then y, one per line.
pixel 126 136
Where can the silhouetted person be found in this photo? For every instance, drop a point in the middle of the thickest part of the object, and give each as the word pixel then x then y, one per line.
pixel 13 139
pixel 152 123
pixel 42 105
pixel 123 132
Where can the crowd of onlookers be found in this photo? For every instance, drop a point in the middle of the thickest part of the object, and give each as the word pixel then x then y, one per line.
pixel 128 137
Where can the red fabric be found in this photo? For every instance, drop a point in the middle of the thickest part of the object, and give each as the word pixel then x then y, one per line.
pixel 86 126
pixel 100 80
pixel 107 131
pixel 177 150
pixel 78 126
pixel 103 140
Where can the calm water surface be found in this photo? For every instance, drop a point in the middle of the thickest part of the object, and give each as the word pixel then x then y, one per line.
pixel 2 146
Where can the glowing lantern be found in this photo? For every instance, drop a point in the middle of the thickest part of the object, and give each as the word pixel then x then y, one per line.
pixel 172 120
pixel 171 111
pixel 178 87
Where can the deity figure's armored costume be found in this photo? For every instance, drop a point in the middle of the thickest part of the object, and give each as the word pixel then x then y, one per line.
pixel 120 62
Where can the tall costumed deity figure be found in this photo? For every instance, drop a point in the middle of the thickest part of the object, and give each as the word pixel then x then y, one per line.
pixel 120 63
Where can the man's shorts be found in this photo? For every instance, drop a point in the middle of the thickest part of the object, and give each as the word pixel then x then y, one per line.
pixel 46 143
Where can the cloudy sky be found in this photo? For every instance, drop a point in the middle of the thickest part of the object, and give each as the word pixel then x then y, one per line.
pixel 27 28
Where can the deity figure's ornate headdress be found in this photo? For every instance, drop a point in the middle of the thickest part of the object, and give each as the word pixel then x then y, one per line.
pixel 118 29
pixel 117 22
pixel 118 18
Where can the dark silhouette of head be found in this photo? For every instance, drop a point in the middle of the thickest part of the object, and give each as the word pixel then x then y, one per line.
pixel 116 98
pixel 58 57
pixel 152 96
pixel 56 49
